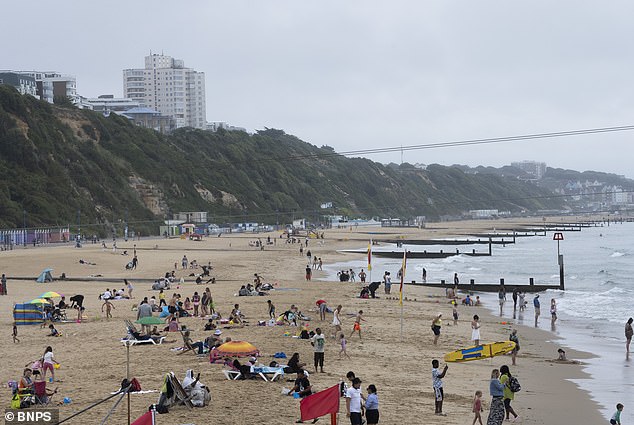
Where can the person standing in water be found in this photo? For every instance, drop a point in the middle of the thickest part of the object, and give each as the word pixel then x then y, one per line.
pixel 628 334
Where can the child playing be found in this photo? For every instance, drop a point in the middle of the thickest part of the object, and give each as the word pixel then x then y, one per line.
pixel 15 334
pixel 477 407
pixel 344 343
pixel 54 331
pixel 109 307
pixel 357 324
pixel 372 406
pixel 616 417
pixel 271 309
pixel 455 312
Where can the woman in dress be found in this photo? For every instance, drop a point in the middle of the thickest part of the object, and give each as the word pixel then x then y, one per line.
pixel 336 321
pixel 475 330
pixel 496 388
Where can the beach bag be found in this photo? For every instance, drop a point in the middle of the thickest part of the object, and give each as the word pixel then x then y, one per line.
pixel 15 401
pixel 514 384
pixel 135 385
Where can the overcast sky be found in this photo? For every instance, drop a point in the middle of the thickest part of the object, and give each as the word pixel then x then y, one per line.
pixel 368 74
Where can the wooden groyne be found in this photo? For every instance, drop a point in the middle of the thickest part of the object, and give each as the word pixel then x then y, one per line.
pixel 448 242
pixel 472 286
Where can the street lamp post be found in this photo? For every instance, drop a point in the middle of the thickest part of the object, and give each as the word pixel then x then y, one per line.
pixel 558 236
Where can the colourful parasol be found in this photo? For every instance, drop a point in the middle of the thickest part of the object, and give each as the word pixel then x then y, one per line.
pixel 38 301
pixel 237 349
pixel 150 320
pixel 50 294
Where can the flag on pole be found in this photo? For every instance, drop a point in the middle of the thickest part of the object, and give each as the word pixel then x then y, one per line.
pixel 320 404
pixel 370 255
pixel 402 276
pixel 146 419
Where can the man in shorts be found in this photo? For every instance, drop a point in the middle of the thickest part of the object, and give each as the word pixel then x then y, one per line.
pixel 437 384
pixel 357 324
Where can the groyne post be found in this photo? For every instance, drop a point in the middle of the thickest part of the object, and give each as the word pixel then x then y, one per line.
pixel 561 273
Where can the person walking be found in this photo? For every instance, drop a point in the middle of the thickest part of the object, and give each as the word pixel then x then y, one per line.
pixel 496 388
pixel 3 283
pixel 508 394
pixel 318 341
pixel 477 408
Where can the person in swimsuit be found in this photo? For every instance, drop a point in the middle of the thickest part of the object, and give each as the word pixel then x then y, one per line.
pixel 357 324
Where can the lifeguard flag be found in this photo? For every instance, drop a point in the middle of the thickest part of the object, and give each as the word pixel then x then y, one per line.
pixel 370 255
pixel 146 419
pixel 320 404
pixel 402 276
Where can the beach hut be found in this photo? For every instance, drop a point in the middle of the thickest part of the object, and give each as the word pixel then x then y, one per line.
pixel 27 314
pixel 45 276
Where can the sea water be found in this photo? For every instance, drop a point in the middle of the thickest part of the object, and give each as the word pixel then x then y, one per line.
pixel 592 311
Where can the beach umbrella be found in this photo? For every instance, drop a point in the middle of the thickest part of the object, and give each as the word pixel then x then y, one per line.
pixel 149 320
pixel 38 301
pixel 237 349
pixel 50 294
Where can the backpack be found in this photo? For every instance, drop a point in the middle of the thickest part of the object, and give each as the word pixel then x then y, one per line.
pixel 514 384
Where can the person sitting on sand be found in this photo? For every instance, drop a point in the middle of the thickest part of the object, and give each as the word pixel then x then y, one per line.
pixel 236 316
pixel 53 331
pixel 189 344
pixel 294 365
pixel 210 326
pixel 562 355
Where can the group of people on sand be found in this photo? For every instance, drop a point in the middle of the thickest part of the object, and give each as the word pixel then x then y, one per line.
pixel 35 372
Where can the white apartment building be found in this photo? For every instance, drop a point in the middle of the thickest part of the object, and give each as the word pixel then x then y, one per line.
pixel 534 169
pixel 167 86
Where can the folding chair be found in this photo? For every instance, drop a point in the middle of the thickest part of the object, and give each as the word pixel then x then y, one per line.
pixel 42 395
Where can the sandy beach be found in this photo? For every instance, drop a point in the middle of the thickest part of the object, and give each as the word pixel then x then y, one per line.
pixel 93 360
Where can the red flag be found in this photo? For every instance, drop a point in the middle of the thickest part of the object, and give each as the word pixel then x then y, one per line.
pixel 320 404
pixel 146 419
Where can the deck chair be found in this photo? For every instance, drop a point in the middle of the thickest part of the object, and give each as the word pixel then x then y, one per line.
pixel 232 375
pixel 134 341
pixel 43 395
pixel 173 393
